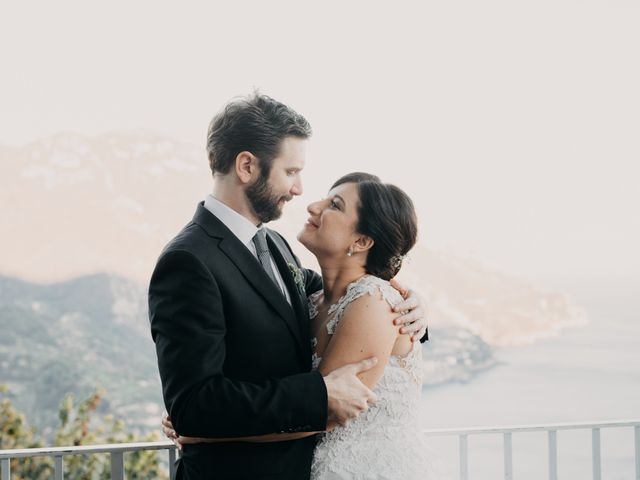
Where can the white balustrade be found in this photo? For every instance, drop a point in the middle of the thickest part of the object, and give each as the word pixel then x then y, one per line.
pixel 116 451
pixel 552 440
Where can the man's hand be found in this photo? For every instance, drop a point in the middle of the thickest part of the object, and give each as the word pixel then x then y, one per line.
pixel 413 321
pixel 348 396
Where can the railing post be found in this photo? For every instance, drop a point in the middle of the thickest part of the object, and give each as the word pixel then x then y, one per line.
pixel 172 463
pixel 553 455
pixel 5 468
pixel 117 466
pixel 595 448
pixel 464 463
pixel 508 457
pixel 637 445
pixel 58 473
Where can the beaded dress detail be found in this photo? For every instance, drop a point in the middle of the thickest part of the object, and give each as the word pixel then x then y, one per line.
pixel 385 442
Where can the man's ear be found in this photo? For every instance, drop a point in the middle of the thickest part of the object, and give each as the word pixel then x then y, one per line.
pixel 363 243
pixel 246 167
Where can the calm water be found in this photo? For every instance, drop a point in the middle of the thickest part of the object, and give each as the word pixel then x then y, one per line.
pixel 591 373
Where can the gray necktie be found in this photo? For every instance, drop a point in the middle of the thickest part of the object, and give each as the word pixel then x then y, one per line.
pixel 260 241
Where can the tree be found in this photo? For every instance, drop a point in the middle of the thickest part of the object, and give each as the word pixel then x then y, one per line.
pixel 16 433
pixel 78 426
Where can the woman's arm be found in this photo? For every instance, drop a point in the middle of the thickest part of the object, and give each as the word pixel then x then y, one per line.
pixel 273 437
pixel 365 330
pixel 170 433
pixel 414 320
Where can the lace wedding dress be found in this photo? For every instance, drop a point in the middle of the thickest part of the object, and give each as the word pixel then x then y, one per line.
pixel 386 441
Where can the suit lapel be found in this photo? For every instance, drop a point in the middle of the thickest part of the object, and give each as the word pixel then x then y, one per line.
pixel 298 299
pixel 250 268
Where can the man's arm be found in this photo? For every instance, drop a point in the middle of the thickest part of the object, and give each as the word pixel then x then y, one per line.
pixel 188 327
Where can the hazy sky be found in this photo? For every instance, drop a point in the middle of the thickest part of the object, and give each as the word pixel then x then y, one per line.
pixel 515 126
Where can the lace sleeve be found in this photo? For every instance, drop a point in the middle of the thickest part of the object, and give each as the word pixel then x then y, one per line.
pixel 367 284
pixel 314 299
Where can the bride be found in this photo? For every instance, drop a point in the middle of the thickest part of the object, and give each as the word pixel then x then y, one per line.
pixel 360 234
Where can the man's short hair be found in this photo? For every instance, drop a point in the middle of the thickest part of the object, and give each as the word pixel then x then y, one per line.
pixel 256 124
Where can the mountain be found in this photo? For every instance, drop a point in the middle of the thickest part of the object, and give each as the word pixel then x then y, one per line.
pixel 93 331
pixel 82 205
pixel 75 336
pixel 75 205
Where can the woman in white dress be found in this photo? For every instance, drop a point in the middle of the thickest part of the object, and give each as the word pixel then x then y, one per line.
pixel 360 234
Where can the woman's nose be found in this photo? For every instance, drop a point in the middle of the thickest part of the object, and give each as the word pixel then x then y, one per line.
pixel 314 208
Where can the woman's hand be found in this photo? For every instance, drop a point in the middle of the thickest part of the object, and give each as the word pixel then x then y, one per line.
pixel 414 320
pixel 180 441
pixel 169 432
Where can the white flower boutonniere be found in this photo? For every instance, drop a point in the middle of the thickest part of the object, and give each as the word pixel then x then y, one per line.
pixel 298 278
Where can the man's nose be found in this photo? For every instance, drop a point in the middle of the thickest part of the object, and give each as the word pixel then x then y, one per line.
pixel 296 189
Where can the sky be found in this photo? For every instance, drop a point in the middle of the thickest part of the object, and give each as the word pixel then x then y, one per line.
pixel 514 126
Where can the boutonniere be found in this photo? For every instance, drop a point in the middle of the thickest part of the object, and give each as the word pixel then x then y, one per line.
pixel 298 278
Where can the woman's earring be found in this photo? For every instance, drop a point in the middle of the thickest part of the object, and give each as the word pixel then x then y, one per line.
pixel 350 252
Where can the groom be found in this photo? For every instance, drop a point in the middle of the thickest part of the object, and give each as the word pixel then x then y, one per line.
pixel 229 314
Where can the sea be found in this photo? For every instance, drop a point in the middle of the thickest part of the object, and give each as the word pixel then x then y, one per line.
pixel 585 374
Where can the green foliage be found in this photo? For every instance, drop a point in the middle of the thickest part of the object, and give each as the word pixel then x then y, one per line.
pixel 77 426
pixel 16 433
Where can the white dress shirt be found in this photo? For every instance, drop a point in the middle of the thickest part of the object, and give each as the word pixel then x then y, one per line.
pixel 242 228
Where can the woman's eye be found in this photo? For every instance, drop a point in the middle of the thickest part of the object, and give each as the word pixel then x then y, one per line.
pixel 334 205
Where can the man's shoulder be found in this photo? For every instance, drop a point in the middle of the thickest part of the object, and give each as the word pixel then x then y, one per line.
pixel 185 237
pixel 192 239
pixel 190 250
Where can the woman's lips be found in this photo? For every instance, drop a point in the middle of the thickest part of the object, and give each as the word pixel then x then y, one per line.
pixel 311 223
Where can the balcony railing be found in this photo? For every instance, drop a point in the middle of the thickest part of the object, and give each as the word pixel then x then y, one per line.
pixel 116 451
pixel 552 442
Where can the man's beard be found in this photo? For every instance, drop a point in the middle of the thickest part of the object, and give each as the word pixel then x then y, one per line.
pixel 265 204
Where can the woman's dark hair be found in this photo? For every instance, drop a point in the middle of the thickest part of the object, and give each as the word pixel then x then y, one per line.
pixel 385 214
pixel 255 124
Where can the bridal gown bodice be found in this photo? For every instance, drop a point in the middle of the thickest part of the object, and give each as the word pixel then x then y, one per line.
pixel 385 442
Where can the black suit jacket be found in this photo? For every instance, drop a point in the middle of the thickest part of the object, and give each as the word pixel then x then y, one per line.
pixel 234 356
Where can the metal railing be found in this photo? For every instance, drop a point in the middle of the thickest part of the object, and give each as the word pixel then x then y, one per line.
pixel 116 452
pixel 552 441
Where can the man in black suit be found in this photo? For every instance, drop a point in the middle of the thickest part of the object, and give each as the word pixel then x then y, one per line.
pixel 229 314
